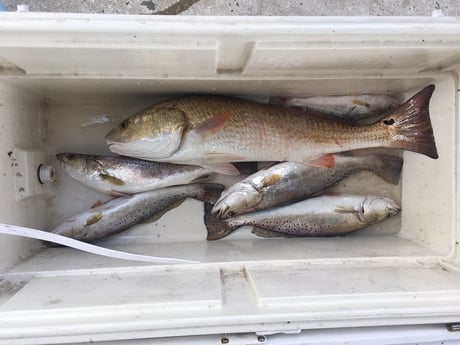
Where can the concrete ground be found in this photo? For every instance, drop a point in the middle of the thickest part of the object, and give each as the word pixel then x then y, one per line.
pixel 247 7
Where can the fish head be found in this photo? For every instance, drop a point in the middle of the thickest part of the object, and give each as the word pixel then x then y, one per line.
pixel 152 134
pixel 238 201
pixel 78 165
pixel 374 209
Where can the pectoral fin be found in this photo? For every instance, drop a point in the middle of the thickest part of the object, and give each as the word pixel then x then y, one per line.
pixel 361 103
pixel 96 204
pixel 211 127
pixel 112 179
pixel 271 180
pixel 116 194
pixel 93 219
pixel 324 161
pixel 222 168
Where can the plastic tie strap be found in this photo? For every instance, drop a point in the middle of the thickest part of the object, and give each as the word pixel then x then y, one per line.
pixel 14 230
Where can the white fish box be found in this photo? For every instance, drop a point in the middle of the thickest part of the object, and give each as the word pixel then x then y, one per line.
pixel 66 80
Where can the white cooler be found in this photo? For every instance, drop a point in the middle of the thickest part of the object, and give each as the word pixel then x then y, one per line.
pixel 66 80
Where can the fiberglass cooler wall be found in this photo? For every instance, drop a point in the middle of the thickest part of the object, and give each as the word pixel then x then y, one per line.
pixel 57 73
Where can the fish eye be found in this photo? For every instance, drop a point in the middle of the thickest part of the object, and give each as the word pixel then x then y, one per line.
pixel 124 124
pixel 231 213
pixel 70 156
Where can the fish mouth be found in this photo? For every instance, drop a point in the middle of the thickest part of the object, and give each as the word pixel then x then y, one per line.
pixel 67 158
pixel 222 210
pixel 61 157
pixel 113 142
pixel 112 138
pixel 394 209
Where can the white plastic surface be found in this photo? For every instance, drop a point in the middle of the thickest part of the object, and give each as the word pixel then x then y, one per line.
pixel 61 72
pixel 7 229
pixel 400 335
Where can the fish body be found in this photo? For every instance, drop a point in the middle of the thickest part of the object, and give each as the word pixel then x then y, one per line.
pixel 290 181
pixel 211 131
pixel 330 215
pixel 354 107
pixel 124 212
pixel 124 175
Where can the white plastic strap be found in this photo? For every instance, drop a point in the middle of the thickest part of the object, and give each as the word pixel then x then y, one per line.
pixel 14 230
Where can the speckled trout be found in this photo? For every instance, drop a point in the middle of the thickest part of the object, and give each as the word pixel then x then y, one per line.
pixel 124 175
pixel 290 181
pixel 124 212
pixel 329 215
pixel 354 108
pixel 211 131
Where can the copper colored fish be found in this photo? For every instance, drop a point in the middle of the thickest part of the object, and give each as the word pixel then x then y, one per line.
pixel 211 131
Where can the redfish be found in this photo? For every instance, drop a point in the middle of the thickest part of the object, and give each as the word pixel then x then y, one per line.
pixel 212 131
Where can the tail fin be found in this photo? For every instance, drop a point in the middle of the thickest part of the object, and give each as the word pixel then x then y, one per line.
pixel 209 192
pixel 390 168
pixel 246 168
pixel 410 125
pixel 217 227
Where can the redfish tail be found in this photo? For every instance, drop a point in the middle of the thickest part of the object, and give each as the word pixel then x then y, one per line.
pixel 217 227
pixel 411 125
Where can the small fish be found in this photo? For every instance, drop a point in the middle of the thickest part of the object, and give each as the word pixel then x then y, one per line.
pixel 211 131
pixel 322 216
pixel 354 108
pixel 122 213
pixel 124 175
pixel 291 181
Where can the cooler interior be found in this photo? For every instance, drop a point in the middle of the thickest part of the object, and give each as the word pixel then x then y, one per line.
pixel 401 271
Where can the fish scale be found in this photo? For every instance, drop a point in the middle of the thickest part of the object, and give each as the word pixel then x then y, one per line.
pixel 289 130
pixel 286 126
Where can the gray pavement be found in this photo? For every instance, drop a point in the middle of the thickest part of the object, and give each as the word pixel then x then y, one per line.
pixel 246 7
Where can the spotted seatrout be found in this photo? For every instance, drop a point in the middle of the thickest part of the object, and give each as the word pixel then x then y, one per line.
pixel 354 108
pixel 124 212
pixel 124 175
pixel 290 181
pixel 322 216
pixel 211 131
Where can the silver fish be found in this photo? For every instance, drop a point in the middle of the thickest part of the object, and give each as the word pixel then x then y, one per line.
pixel 354 107
pixel 124 175
pixel 124 212
pixel 291 181
pixel 322 216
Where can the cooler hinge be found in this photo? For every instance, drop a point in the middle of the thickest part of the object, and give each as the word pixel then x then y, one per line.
pixel 243 339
